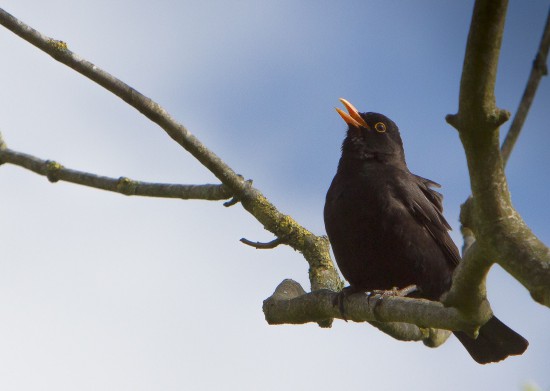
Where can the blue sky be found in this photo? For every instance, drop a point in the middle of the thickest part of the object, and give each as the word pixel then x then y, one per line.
pixel 101 291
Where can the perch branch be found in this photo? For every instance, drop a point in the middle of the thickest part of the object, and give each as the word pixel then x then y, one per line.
pixel 56 172
pixel 501 234
pixel 407 319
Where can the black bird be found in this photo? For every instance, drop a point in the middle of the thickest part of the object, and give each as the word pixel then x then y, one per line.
pixel 387 229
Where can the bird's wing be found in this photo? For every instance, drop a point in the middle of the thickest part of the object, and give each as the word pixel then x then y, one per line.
pixel 426 206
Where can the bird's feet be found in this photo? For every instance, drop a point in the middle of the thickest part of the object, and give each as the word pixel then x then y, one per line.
pixel 382 294
pixel 394 292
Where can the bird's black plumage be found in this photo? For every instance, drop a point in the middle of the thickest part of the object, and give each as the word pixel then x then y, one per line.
pixel 387 229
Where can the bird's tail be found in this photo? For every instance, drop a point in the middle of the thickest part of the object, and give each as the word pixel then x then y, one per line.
pixel 495 342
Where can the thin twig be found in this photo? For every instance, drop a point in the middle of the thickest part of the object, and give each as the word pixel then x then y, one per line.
pixel 56 172
pixel 231 202
pixel 235 199
pixel 537 72
pixel 262 246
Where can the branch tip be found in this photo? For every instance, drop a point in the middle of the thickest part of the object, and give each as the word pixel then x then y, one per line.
pixel 262 246
pixel 501 117
pixel 452 119
pixel 235 200
pixel 231 202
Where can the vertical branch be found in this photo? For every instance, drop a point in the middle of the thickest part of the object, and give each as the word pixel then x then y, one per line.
pixel 502 236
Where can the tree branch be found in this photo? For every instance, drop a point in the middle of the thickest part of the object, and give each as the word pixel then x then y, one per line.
pixel 501 234
pixel 403 318
pixel 468 291
pixel 322 273
pixel 537 72
pixel 56 172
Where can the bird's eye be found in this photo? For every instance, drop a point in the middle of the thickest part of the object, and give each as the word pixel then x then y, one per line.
pixel 380 127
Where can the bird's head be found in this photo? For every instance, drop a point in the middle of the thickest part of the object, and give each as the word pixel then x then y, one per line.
pixel 371 136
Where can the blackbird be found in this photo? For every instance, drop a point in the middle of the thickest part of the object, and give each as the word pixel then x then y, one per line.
pixel 387 229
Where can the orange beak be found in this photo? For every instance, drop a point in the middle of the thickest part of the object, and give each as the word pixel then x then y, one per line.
pixel 353 118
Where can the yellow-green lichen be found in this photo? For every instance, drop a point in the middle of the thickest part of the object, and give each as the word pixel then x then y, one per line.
pixel 126 186
pixel 60 46
pixel 52 170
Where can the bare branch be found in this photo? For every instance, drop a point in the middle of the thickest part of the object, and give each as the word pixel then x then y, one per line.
pixel 405 318
pixel 152 110
pixel 501 234
pixel 537 72
pixel 56 172
pixel 315 249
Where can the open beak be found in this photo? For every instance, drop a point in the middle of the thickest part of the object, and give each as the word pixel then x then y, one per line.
pixel 352 117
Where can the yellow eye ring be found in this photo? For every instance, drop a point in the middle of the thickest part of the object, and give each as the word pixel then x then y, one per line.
pixel 380 127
